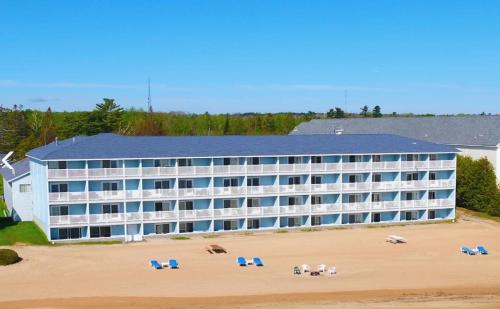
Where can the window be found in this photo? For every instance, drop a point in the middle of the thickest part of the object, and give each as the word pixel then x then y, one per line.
pixel 316 199
pixel 163 163
pixel 353 159
pixel 253 181
pixel 162 206
pixel 411 157
pixel 162 228
pixel 100 231
pixel 253 224
pixel 185 205
pixel 293 222
pixel 70 233
pixel 316 180
pixel 185 183
pixel 316 220
pixel 59 187
pixel 355 218
pixel 376 197
pixel 432 176
pixel 432 195
pixel 230 182
pixel 376 217
pixel 432 214
pixel 355 178
pixel 230 225
pixel 24 188
pixel 162 184
pixel 354 198
pixel 109 164
pixel 294 200
pixel 230 203
pixel 410 196
pixel 62 210
pixel 376 158
pixel 109 186
pixel 294 180
pixel 411 176
pixel 185 162
pixel 254 161
pixel 433 157
pixel 316 159
pixel 253 202
pixel 231 161
pixel 294 160
pixel 185 227
pixel 109 208
pixel 376 177
pixel 411 215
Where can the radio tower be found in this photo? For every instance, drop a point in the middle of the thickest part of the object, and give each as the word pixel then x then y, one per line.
pixel 150 107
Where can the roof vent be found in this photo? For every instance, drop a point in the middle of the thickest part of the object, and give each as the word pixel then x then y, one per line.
pixel 338 131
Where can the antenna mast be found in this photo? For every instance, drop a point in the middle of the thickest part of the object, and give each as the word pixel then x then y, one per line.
pixel 150 107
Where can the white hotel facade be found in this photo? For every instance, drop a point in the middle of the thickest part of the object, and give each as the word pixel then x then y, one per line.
pixel 111 186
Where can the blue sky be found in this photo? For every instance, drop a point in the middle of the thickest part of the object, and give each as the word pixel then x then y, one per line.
pixel 252 55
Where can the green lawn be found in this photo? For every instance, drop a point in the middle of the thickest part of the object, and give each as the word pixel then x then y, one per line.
pixel 21 232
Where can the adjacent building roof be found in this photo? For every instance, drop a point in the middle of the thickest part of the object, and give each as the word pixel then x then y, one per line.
pixel 451 130
pixel 111 146
pixel 21 168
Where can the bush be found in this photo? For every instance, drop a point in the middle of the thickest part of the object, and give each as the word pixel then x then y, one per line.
pixel 476 186
pixel 8 257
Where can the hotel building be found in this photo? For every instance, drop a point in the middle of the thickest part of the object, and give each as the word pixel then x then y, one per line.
pixel 112 186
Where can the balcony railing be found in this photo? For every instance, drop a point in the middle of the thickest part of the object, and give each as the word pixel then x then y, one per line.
pixel 229 190
pixel 356 165
pixel 442 183
pixel 325 167
pixel 262 169
pixel 287 168
pixel 326 208
pixel 229 212
pixel 294 188
pixel 262 211
pixel 414 164
pixel 194 192
pixel 68 220
pixel 356 206
pixel 442 163
pixel 356 186
pixel 385 205
pixel 67 173
pixel 229 169
pixel 106 218
pixel 294 209
pixel 414 204
pixel 257 190
pixel 157 193
pixel 441 202
pixel 67 196
pixel 325 187
pixel 386 165
pixel 384 185
pixel 195 214
pixel 159 171
pixel 159 215
pixel 414 184
pixel 106 195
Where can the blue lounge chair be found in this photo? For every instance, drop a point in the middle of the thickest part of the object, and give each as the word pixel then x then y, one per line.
pixel 155 264
pixel 257 261
pixel 241 261
pixel 482 250
pixel 172 263
pixel 467 250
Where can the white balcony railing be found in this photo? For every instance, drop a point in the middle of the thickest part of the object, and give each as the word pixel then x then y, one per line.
pixel 385 205
pixel 326 208
pixel 229 190
pixel 441 202
pixel 67 173
pixel 133 194
pixel 442 164
pixel 294 188
pixel 257 190
pixel 295 209
pixel 133 216
pixel 325 167
pixel 414 204
pixel 355 206
pixel 356 166
pixel 325 187
pixel 67 196
pixel 262 211
pixel 68 220
pixel 229 169
pixel 106 218
pixel 194 192
pixel 356 186
pixel 159 171
pixel 384 185
pixel 106 195
pixel 229 212
pixel 442 183
pixel 158 193
pixel 159 215
pixel 262 169
pixel 287 168
pixel 414 184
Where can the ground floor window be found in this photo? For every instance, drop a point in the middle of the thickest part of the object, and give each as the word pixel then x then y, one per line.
pixel 376 217
pixel 70 233
pixel 100 231
pixel 316 220
pixel 293 222
pixel 185 227
pixel 356 218
pixel 162 228
pixel 253 224
pixel 432 214
pixel 230 225
pixel 411 215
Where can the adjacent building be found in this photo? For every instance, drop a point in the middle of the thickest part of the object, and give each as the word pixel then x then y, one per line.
pixel 17 190
pixel 475 136
pixel 112 186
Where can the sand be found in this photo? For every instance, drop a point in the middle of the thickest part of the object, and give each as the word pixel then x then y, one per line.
pixel 427 271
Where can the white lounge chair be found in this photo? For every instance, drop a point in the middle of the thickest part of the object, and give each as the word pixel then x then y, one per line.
pixel 395 239
pixel 305 268
pixel 332 271
pixel 321 268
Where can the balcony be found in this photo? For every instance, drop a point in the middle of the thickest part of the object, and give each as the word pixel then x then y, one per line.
pixel 326 208
pixel 67 197
pixel 154 193
pixel 106 195
pixel 442 183
pixel 228 169
pixel 385 205
pixel 105 172
pixel 225 191
pixel 66 173
pixel 363 206
pixel 294 209
pixel 356 166
pixel 356 186
pixel 260 190
pixel 262 169
pixel 325 187
pixel 159 171
pixel 437 164
pixel 387 165
pixel 107 218
pixel 414 204
pixel 385 185
pixel 414 184
pixel 294 188
pixel 447 202
pixel 159 215
pixel 293 168
pixel 194 192
pixel 414 164
pixel 229 212
pixel 195 214
pixel 68 220
pixel 325 167
pixel 194 170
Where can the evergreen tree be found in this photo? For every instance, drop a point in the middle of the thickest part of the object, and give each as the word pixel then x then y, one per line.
pixel 364 111
pixel 339 113
pixel 377 112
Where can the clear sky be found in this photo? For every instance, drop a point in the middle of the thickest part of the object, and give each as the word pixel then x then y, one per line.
pixel 252 55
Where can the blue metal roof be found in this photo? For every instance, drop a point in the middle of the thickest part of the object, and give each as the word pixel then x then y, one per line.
pixel 20 168
pixel 112 146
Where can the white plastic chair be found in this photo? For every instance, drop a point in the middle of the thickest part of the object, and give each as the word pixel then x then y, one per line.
pixel 305 268
pixel 321 268
pixel 332 271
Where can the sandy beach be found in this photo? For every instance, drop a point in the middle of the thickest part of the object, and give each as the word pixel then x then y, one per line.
pixel 427 271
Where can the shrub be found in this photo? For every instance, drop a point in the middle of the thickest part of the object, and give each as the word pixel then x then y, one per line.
pixel 180 238
pixel 8 257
